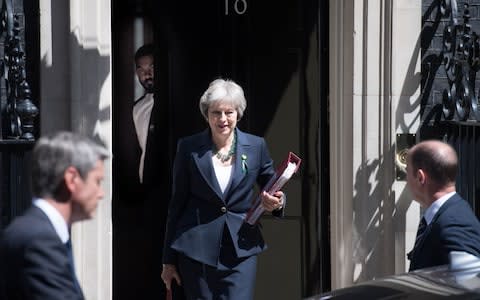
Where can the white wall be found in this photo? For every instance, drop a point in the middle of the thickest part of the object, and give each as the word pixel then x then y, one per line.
pixel 76 94
pixel 374 92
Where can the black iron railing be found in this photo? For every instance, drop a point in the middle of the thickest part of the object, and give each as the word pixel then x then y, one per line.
pixel 460 125
pixel 461 58
pixel 17 119
pixel 19 113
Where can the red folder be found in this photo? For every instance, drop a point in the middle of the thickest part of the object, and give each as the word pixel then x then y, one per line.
pixel 282 174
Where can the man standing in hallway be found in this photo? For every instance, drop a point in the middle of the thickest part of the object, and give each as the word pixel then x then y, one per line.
pixel 35 250
pixel 142 109
pixel 448 223
pixel 151 139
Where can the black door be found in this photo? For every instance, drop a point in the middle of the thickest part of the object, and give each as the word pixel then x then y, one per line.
pixel 276 52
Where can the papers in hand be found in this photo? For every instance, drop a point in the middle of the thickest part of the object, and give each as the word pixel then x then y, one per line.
pixel 283 173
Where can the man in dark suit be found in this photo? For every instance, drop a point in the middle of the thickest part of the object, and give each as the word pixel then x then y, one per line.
pixel 36 257
pixel 143 118
pixel 154 187
pixel 448 223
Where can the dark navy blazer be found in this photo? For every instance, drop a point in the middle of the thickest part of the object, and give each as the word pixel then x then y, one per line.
pixel 155 140
pixel 453 228
pixel 34 262
pixel 199 210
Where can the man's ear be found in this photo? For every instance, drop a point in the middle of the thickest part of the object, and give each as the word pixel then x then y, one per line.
pixel 422 176
pixel 70 177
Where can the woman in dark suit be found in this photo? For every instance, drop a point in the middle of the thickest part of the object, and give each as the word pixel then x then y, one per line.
pixel 209 249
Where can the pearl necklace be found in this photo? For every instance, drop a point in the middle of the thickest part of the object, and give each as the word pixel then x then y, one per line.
pixel 224 157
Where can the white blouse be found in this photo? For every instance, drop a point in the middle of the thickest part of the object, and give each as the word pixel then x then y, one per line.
pixel 223 174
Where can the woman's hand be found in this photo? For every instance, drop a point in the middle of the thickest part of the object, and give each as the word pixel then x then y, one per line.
pixel 272 202
pixel 169 272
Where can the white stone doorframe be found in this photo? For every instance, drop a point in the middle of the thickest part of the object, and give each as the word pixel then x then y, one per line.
pixel 374 94
pixel 76 95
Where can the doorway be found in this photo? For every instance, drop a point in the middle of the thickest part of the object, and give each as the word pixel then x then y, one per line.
pixel 277 52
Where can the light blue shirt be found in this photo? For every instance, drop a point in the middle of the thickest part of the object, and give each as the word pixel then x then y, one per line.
pixel 433 209
pixel 58 222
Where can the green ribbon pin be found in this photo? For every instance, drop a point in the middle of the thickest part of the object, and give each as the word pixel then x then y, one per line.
pixel 244 163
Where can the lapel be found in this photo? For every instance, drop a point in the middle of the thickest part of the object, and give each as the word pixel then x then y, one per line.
pixel 203 160
pixel 243 147
pixel 149 147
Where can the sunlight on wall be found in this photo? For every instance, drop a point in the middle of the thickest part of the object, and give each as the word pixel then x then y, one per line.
pixel 46 32
pixel 91 30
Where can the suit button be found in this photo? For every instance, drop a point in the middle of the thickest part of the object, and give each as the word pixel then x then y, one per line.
pixel 223 209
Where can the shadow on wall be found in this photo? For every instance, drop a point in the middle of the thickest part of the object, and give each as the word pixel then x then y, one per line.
pixel 368 221
pixel 73 78
pixel 376 217
pixel 90 71
pixel 374 212
pixel 431 62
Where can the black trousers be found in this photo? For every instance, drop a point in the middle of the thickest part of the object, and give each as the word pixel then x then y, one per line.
pixel 232 279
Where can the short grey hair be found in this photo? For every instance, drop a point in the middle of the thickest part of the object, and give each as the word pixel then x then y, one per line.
pixel 223 90
pixel 56 152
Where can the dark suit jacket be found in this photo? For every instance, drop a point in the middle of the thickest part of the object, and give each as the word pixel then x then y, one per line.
pixel 199 211
pixel 453 228
pixel 34 261
pixel 155 142
pixel 154 191
pixel 148 214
